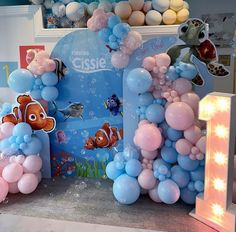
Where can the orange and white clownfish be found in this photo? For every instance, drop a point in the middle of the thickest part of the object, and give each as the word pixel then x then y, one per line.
pixel 31 112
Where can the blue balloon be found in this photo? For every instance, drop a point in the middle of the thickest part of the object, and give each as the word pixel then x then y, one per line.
pixel 23 146
pixel 119 157
pixel 126 189
pixel 139 80
pixel 169 154
pixel 36 94
pixel 112 172
pixel 113 45
pixel 133 167
pixel 198 174
pixel 21 80
pixel 19 139
pixel 168 191
pixel 187 71
pixel 34 147
pixel 164 126
pixel 5 143
pixel 49 78
pixel 173 134
pixel 49 93
pixel 104 34
pixel 112 38
pixel 199 186
pixel 121 30
pixel 120 165
pixel 6 109
pixel 155 113
pixel 113 20
pixel 145 99
pixel 186 163
pixel 187 196
pixel 22 129
pixel 180 176
pixel 171 74
pixel 191 186
pixel 130 153
pixel 27 138
pixel 38 81
pixel 158 162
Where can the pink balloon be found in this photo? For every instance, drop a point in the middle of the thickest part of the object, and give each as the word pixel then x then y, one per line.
pixel 3 163
pixel 12 159
pixel 182 86
pixel 126 50
pixel 3 189
pixel 20 159
pixel 149 63
pixel 192 99
pixel 49 65
pixel 193 134
pixel 163 59
pixel 149 154
pixel 133 40
pixel 146 179
pixel 183 147
pixel 153 194
pixel 13 188
pixel 28 183
pixel 12 172
pixel 142 122
pixel 39 176
pixel 201 144
pixel 119 60
pixel 32 164
pixel 179 115
pixel 148 137
pixel 6 129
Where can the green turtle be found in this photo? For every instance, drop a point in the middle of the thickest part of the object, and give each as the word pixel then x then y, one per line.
pixel 194 34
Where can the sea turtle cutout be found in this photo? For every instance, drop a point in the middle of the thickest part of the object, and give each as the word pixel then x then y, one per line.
pixel 195 37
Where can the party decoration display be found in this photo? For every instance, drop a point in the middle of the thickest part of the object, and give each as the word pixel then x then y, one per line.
pixel 119 38
pixel 73 14
pixel 215 206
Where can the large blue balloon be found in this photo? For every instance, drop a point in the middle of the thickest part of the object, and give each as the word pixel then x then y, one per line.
pixel 49 93
pixel 49 78
pixel 155 113
pixel 180 176
pixel 126 189
pixel 121 30
pixel 133 167
pixel 139 80
pixel 5 143
pixel 145 99
pixel 168 191
pixel 104 34
pixel 22 129
pixel 158 162
pixel 130 153
pixel 186 163
pixel 21 80
pixel 198 174
pixel 112 172
pixel 169 154
pixel 187 71
pixel 173 134
pixel 113 20
pixel 34 147
pixel 189 197
pixel 36 94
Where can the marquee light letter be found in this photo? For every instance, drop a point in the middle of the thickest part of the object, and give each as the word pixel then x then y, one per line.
pixel 215 207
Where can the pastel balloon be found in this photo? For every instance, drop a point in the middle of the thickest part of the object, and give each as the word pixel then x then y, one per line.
pixel 7 129
pixel 155 113
pixel 32 164
pixel 133 40
pixel 123 10
pixel 75 11
pixel 130 153
pixel 146 179
pixel 173 134
pixel 39 176
pixel 147 6
pixel 192 99
pixel 28 183
pixel 187 196
pixel 119 60
pixel 193 134
pixel 49 78
pixel 151 155
pixel 169 17
pixel 153 18
pixel 145 99
pixel 163 59
pixel 198 174
pixel 201 144
pixel 153 194
pixel 12 172
pixel 13 187
pixel 33 147
pixel 20 159
pixel 133 167
pixel 136 4
pixel 149 63
pixel 160 5
pixel 3 189
pixel 137 18
pixel 179 115
pixel 186 163
pixel 169 154
pixel 49 93
pixel 159 162
pixel 3 163
pixel 22 129
pixel 180 176
pixel 183 146
pixel 112 171
pixel 182 86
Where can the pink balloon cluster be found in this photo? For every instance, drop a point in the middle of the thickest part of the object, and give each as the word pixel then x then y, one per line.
pixel 40 62
pixel 19 174
pixel 6 130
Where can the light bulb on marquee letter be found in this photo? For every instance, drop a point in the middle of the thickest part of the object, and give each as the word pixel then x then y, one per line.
pixel 215 207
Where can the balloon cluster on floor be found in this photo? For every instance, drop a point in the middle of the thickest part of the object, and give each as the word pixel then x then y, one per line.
pixel 39 78
pixel 119 38
pixel 170 157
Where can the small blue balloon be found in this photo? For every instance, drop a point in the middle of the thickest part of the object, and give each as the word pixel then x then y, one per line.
pixel 186 163
pixel 161 177
pixel 187 71
pixel 130 153
pixel 163 170
pixel 120 165
pixel 180 176
pixel 22 129
pixel 12 139
pixel 104 34
pixel 126 189
pixel 49 78
pixel 187 196
pixel 133 167
pixel 34 147
pixel 113 20
pixel 49 93
pixel 23 146
pixel 15 146
pixel 145 99
pixel 173 134
pixel 169 154
pixel 168 143
pixel 164 126
pixel 119 157
pixel 171 74
pixel 168 191
pixel 38 81
pixel 21 80
pixel 27 138
pixel 199 186
pixel 5 109
pixel 191 186
pixel 113 45
pixel 155 113
pixel 112 38
pixel 36 94
pixel 112 172
pixel 121 30
pixel 139 80
pixel 198 174
pixel 19 139
pixel 5 143
pixel 158 162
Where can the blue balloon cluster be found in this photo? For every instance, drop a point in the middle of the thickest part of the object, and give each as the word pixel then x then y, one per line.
pixel 115 33
pixel 5 109
pixel 181 69
pixel 22 141
pixel 123 170
pixel 44 87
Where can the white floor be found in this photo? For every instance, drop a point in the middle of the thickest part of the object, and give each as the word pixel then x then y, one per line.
pixel 15 223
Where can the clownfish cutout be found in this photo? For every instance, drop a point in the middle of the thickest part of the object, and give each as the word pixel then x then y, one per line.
pixel 31 112
pixel 106 137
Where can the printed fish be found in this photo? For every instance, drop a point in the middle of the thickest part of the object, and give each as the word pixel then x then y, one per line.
pixel 73 110
pixel 60 68
pixel 113 104
pixel 90 144
pixel 31 112
pixel 61 136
